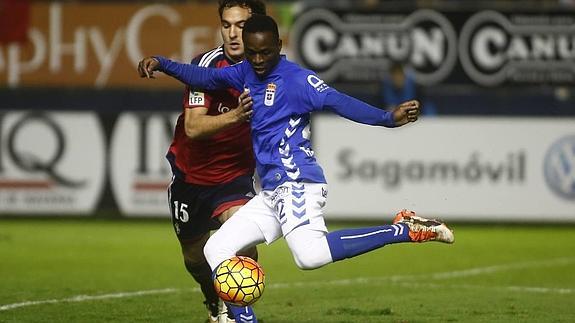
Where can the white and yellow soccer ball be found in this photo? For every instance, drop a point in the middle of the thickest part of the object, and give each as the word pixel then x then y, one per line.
pixel 239 281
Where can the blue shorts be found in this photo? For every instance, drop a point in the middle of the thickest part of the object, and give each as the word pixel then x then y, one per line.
pixel 195 208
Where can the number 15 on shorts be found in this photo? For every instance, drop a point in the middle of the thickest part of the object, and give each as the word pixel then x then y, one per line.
pixel 181 211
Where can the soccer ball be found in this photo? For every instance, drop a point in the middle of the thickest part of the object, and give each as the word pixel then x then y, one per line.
pixel 239 281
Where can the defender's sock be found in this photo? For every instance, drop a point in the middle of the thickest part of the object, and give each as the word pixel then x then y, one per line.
pixel 203 275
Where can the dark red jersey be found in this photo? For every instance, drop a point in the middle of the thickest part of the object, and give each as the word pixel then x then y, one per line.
pixel 221 157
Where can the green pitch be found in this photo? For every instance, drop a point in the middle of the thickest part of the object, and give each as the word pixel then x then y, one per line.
pixel 131 271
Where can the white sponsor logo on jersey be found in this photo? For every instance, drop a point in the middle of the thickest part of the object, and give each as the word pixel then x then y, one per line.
pixel 317 83
pixel 196 99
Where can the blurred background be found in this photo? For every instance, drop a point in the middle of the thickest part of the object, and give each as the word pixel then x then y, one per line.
pixel 82 135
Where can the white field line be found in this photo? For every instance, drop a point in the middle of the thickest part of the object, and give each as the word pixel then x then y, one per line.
pixel 83 298
pixel 407 280
pixel 519 289
pixel 488 270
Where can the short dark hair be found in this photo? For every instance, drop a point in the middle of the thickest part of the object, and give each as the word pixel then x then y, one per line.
pixel 261 23
pixel 255 6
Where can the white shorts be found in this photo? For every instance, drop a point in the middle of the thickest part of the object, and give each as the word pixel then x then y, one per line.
pixel 292 210
pixel 289 206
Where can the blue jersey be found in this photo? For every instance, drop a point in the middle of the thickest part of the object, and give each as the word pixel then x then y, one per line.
pixel 282 103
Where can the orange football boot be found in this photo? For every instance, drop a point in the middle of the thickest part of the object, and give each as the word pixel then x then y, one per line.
pixel 422 229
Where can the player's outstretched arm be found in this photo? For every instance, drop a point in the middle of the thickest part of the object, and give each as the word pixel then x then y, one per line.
pixel 406 112
pixel 196 76
pixel 357 110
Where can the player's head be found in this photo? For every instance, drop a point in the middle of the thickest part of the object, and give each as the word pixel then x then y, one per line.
pixel 262 43
pixel 397 74
pixel 233 15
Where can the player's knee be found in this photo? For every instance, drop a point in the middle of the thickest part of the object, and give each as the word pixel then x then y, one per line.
pixel 193 253
pixel 306 261
pixel 308 257
pixel 211 251
pixel 193 261
pixel 309 248
pixel 217 251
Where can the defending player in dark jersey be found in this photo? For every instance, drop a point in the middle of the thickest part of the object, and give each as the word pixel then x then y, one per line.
pixel 211 155
pixel 221 151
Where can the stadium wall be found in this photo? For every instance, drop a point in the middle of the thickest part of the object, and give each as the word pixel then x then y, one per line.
pixel 81 134
pixel 513 169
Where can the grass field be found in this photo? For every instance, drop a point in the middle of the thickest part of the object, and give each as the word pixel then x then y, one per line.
pixel 130 271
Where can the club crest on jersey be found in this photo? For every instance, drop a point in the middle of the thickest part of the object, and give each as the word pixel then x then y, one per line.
pixel 196 98
pixel 270 94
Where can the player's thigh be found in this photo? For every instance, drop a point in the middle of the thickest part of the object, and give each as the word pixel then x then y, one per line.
pixel 300 204
pixel 253 224
pixel 227 198
pixel 227 214
pixel 251 251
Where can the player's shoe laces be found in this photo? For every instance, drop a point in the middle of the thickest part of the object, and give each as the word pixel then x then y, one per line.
pixel 225 316
pixel 422 229
pixel 213 312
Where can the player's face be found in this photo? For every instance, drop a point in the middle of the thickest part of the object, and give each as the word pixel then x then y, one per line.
pixel 262 50
pixel 232 23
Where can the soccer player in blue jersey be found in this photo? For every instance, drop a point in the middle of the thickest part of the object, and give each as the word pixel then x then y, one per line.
pixel 294 189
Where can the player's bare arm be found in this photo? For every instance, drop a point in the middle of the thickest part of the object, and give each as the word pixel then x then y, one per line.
pixel 199 125
pixel 147 66
pixel 406 112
